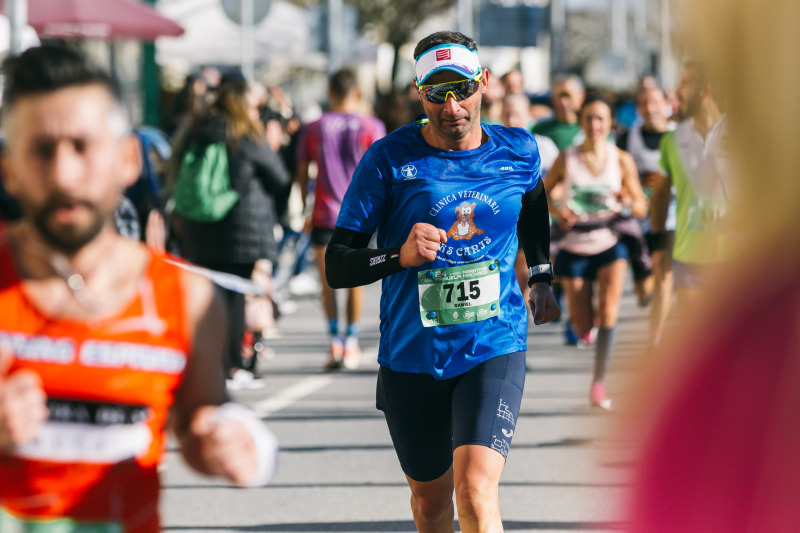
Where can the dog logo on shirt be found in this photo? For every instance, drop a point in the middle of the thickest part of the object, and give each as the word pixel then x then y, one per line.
pixel 464 227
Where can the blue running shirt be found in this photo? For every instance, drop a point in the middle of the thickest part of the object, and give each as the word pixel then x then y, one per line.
pixel 451 314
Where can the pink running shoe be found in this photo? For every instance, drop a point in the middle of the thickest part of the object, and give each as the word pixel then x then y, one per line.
pixel 585 342
pixel 598 398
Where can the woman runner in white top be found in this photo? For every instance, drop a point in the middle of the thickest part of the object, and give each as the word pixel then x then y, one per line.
pixel 594 182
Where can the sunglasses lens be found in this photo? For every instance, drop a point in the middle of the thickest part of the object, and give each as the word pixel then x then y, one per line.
pixel 460 90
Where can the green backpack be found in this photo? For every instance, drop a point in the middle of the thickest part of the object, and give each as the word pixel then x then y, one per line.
pixel 203 190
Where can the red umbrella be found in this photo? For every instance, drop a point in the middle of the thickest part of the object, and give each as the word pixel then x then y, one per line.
pixel 98 19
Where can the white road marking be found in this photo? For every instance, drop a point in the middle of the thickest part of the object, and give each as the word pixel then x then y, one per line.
pixel 291 394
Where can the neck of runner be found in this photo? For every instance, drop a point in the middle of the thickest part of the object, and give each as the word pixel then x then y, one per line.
pixel 36 260
pixel 705 119
pixel 595 147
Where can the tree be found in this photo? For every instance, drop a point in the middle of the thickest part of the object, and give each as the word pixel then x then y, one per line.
pixel 392 21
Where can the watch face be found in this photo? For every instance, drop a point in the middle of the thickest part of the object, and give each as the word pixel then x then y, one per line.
pixel 540 269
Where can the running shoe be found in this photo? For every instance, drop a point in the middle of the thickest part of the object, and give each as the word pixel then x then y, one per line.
pixel 243 379
pixel 352 353
pixel 598 398
pixel 335 354
pixel 586 341
pixel 570 338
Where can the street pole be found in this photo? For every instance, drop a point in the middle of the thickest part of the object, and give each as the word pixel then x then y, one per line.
pixel 247 37
pixel 335 31
pixel 641 50
pixel 150 80
pixel 665 59
pixel 17 11
pixel 558 23
pixel 619 42
pixel 465 24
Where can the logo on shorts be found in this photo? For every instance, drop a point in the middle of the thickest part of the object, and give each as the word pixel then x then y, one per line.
pixel 501 446
pixel 508 434
pixel 408 172
pixel 505 413
pixel 464 227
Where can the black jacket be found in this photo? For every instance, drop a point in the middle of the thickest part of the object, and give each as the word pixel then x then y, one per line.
pixel 246 234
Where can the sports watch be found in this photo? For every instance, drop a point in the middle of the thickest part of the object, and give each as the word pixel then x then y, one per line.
pixel 540 273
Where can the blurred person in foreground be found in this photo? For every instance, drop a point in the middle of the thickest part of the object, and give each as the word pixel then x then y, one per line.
pixel 336 142
pixel 102 342
pixel 722 397
pixel 596 180
pixel 246 233
pixel 446 194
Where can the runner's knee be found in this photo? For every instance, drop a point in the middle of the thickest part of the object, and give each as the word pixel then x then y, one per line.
pixel 476 495
pixel 432 507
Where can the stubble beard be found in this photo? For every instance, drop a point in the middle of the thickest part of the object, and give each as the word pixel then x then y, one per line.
pixel 67 239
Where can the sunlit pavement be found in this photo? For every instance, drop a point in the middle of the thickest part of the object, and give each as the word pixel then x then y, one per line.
pixel 567 469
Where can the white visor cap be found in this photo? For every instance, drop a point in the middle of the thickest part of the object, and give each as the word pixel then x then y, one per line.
pixel 455 57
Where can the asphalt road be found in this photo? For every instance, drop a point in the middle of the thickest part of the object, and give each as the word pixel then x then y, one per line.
pixel 566 471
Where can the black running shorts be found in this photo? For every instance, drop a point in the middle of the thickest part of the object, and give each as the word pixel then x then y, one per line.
pixel 429 418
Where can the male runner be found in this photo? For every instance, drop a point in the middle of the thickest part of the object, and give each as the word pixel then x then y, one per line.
pixel 567 97
pixel 445 194
pixel 336 143
pixel 642 142
pixel 695 161
pixel 100 339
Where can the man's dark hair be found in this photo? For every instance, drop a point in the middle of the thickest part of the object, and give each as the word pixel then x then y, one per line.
pixel 342 83
pixel 444 37
pixel 49 68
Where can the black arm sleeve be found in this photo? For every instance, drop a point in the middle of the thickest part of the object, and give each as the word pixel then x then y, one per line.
pixel 533 228
pixel 349 263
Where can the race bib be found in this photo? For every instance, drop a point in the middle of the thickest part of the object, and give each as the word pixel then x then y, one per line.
pixel 11 523
pixel 704 213
pixel 88 432
pixel 461 294
pixel 591 198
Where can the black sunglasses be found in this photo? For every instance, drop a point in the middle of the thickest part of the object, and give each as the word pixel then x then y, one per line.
pixel 460 90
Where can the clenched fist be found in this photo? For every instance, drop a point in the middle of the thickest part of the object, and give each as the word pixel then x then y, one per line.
pixel 422 244
pixel 23 404
pixel 543 304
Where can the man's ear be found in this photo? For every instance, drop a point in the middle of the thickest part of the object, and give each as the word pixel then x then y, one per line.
pixel 131 160
pixel 485 81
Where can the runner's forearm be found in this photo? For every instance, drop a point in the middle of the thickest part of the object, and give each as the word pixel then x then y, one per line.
pixel 349 263
pixel 533 227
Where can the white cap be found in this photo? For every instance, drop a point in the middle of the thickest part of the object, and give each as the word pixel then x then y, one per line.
pixel 454 57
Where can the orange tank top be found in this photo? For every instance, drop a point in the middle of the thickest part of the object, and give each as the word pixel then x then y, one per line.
pixel 109 387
